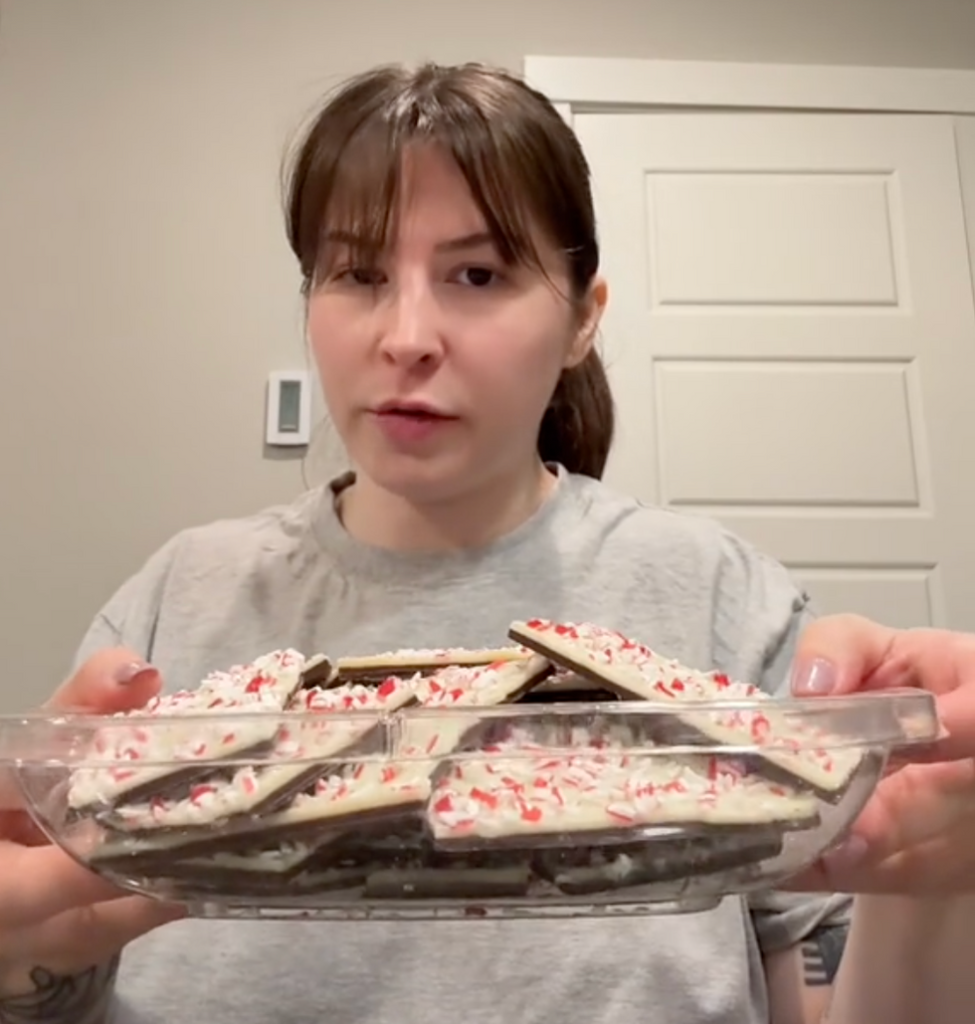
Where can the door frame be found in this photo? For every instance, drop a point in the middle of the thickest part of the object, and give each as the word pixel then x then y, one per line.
pixel 622 84
pixel 603 84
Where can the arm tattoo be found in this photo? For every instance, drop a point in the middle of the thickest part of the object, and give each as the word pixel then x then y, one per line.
pixel 83 998
pixel 821 955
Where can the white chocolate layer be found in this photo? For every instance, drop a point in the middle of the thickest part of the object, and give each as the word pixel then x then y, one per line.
pixel 426 659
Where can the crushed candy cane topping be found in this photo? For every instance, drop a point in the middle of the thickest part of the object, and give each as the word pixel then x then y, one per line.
pixel 526 786
pixel 266 685
pixel 516 783
pixel 799 746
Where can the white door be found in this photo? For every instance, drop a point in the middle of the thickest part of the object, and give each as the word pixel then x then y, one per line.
pixel 791 339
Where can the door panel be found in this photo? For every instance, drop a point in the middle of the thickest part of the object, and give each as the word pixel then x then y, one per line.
pixel 791 339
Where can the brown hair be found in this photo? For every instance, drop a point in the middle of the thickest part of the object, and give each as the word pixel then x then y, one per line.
pixel 525 169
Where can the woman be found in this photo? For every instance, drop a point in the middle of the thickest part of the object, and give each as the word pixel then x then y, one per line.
pixel 444 229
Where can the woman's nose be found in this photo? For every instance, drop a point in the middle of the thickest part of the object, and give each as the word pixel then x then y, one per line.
pixel 411 332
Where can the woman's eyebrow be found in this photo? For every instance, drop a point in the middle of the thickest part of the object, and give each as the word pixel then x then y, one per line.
pixel 470 241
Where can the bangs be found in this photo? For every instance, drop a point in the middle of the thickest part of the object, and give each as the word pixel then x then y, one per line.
pixel 348 181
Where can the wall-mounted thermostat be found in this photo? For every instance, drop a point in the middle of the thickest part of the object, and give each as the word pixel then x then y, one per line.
pixel 289 408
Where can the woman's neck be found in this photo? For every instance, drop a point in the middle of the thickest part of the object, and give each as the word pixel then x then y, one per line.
pixel 382 519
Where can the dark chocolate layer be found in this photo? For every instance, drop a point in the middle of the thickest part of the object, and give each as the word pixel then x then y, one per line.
pixel 448 883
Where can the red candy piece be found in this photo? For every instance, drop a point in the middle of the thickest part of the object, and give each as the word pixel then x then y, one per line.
pixel 488 799
pixel 257 684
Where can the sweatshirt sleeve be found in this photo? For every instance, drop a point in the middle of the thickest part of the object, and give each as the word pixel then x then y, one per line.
pixel 129 617
pixel 760 614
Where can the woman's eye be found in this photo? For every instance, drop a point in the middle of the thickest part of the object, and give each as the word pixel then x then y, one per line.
pixel 478 277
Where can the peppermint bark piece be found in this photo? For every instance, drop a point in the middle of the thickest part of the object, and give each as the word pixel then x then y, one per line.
pixel 161 756
pixel 676 854
pixel 443 723
pixel 248 871
pixel 566 686
pixel 449 883
pixel 408 662
pixel 396 784
pixel 281 872
pixel 301 789
pixel 525 794
pixel 321 725
pixel 318 671
pixel 500 682
pixel 802 753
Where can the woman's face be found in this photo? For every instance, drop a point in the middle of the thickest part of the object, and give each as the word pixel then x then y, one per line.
pixel 437 362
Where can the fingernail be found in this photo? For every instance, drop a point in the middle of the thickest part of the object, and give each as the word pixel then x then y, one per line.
pixel 815 678
pixel 848 855
pixel 125 675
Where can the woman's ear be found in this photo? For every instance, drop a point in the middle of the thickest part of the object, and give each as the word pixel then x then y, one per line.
pixel 592 309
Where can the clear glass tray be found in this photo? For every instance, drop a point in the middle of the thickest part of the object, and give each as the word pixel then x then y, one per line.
pixel 554 807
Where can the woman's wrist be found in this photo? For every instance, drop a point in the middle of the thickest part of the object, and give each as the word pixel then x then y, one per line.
pixel 36 995
pixel 907 959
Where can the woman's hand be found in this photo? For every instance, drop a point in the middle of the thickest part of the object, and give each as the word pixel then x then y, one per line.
pixel 56 917
pixel 916 835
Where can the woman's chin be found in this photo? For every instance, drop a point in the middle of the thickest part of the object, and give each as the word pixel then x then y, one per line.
pixel 419 481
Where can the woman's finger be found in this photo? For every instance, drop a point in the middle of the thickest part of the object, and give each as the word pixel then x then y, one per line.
pixel 837 653
pixel 115 679
pixel 907 871
pixel 916 805
pixel 38 882
pixel 96 932
pixel 843 653
pixel 956 710
pixel 927 811
pixel 19 827
pixel 11 797
pixel 120 921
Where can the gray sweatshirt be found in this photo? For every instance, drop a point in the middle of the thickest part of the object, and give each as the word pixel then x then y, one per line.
pixel 291 576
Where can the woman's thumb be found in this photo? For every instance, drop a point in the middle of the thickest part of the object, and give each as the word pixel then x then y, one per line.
pixel 837 653
pixel 113 679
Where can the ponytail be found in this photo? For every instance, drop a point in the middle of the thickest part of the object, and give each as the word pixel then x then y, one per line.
pixel 578 425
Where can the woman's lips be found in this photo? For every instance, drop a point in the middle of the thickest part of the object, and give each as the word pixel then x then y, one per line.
pixel 407 426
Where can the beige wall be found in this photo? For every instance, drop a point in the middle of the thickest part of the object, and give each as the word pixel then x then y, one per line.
pixel 145 287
